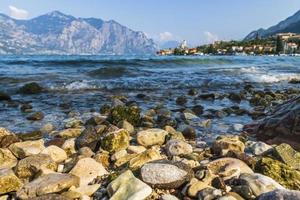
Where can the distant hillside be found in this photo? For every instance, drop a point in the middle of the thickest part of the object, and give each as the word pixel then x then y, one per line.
pixel 291 24
pixel 58 33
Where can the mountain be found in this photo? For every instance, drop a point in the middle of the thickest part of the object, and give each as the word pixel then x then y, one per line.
pixel 58 33
pixel 291 24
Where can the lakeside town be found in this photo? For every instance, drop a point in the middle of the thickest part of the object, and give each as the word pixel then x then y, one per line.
pixel 279 44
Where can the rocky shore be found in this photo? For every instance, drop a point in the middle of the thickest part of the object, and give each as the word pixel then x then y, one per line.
pixel 123 153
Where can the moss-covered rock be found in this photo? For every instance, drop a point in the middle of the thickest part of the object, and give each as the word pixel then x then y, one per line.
pixel 116 141
pixel 288 155
pixel 129 113
pixel 31 88
pixel 280 172
pixel 8 181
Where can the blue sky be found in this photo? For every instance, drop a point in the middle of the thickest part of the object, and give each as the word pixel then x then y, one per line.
pixel 198 21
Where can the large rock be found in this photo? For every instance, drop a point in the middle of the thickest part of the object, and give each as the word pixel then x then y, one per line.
pixel 178 147
pixel 7 159
pixel 4 132
pixel 116 141
pixel 165 174
pixel 128 113
pixel 127 186
pixel 224 144
pixel 70 133
pixel 260 148
pixel 151 137
pixel 259 183
pixel 87 169
pixel 280 172
pixel 288 155
pixel 4 97
pixel 57 154
pixel 147 156
pixel 280 126
pixel 8 181
pixel 7 140
pixel 29 166
pixel 88 138
pixel 27 148
pixel 31 88
pixel 280 195
pixel 50 183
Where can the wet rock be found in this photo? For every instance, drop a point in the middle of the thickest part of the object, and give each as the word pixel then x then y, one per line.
pixel 223 144
pixel 8 181
pixel 4 97
pixel 50 183
pixel 165 174
pixel 73 123
pixel 87 169
pixel 189 132
pixel 294 81
pixel 27 148
pixel 26 108
pixel 129 113
pixel 281 126
pixel 127 186
pixel 57 154
pixel 260 148
pixel 88 138
pixel 151 137
pixel 193 92
pixel 280 172
pixel 288 155
pixel 7 140
pixel 7 159
pixel 37 116
pixel 280 195
pixel 95 120
pixel 209 194
pixel 115 141
pixel 207 96
pixel 33 135
pixel 127 126
pixel 198 109
pixel 31 88
pixel 259 183
pixel 178 147
pixel 145 157
pixel 235 97
pixel 47 128
pixel 29 166
pixel 70 133
pixel 181 100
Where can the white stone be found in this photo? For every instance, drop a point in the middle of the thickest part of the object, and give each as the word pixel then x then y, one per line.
pixel 56 153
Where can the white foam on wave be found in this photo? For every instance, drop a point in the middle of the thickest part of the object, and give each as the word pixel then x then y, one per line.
pixel 272 78
pixel 76 85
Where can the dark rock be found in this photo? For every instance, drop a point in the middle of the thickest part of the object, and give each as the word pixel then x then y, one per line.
pixel 207 96
pixel 37 116
pixel 157 174
pixel 4 97
pixel 105 109
pixel 56 142
pixel 129 113
pixel 189 133
pixel 141 96
pixel 219 183
pixel 198 109
pixel 280 195
pixel 235 97
pixel 181 100
pixel 193 92
pixel 7 140
pixel 31 88
pixel 294 81
pixel 26 108
pixel 95 120
pixel 280 126
pixel 88 138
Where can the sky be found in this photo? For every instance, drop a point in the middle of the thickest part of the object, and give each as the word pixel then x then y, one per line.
pixel 197 21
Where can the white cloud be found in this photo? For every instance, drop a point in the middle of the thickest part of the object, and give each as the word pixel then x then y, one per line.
pixel 166 36
pixel 210 37
pixel 18 13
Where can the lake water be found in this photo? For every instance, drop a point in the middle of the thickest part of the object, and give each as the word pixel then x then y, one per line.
pixel 84 83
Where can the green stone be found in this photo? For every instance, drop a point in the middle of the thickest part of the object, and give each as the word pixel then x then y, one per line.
pixel 288 155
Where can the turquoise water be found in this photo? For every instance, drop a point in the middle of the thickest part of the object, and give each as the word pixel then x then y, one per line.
pixel 87 82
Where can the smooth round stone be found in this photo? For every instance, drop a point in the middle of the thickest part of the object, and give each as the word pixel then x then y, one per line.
pixel 165 174
pixel 151 137
pixel 178 147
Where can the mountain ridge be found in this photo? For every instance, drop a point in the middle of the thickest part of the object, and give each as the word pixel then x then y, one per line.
pixel 290 24
pixel 59 33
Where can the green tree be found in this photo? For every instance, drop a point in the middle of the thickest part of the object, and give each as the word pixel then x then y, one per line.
pixel 279 45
